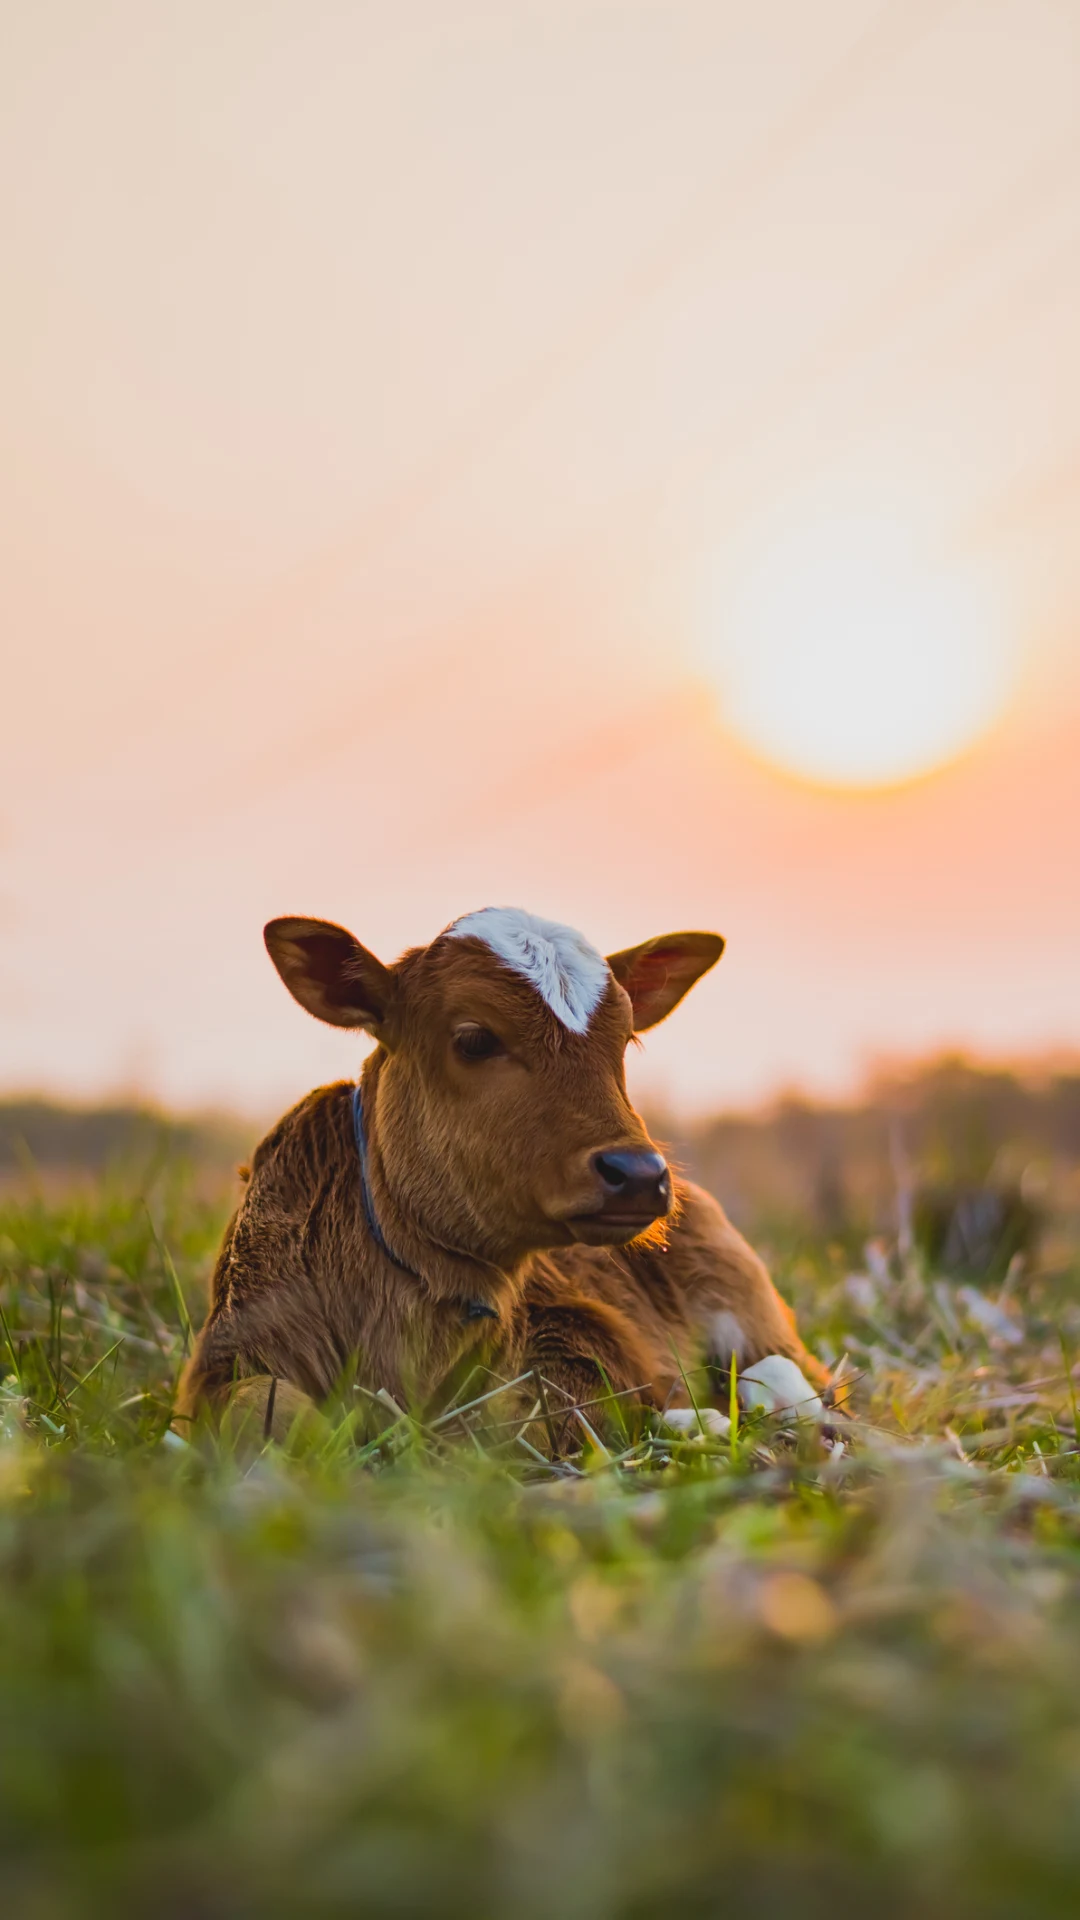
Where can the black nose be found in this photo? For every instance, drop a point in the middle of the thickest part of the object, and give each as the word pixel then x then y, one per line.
pixel 634 1183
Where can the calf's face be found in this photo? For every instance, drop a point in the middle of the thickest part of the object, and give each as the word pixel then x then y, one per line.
pixel 502 1118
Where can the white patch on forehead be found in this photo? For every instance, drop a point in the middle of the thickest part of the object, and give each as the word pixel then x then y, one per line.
pixel 568 974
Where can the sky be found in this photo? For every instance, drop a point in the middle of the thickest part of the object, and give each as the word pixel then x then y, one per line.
pixel 444 455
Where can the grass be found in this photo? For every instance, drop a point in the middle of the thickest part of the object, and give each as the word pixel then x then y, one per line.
pixel 429 1675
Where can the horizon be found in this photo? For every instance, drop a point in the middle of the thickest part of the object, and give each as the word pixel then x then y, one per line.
pixel 881 1079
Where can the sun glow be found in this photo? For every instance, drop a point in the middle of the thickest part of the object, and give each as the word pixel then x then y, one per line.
pixel 841 661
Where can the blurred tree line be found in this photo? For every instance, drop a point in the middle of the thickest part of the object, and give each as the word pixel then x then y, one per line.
pixel 52 1139
pixel 968 1161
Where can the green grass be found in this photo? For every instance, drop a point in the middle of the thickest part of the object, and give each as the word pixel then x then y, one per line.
pixel 426 1675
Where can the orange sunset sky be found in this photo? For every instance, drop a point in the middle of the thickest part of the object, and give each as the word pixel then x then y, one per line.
pixel 417 417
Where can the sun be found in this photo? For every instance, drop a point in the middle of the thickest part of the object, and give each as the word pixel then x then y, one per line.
pixel 840 660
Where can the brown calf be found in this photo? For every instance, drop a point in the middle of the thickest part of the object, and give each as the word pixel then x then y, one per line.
pixel 487 1191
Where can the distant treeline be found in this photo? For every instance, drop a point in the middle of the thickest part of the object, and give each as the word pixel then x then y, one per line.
pixel 911 1139
pixel 53 1137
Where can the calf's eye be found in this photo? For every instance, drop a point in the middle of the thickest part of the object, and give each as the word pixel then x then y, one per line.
pixel 477 1043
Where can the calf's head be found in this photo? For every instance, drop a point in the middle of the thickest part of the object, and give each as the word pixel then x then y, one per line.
pixel 501 1118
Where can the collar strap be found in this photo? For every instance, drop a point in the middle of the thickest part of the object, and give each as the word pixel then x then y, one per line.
pixel 366 1202
pixel 474 1309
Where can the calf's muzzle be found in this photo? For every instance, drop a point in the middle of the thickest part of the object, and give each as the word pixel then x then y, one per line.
pixel 634 1186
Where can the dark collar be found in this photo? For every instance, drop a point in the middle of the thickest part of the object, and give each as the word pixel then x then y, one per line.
pixel 366 1201
pixel 474 1309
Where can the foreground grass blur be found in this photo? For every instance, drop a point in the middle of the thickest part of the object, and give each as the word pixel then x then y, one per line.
pixel 430 1675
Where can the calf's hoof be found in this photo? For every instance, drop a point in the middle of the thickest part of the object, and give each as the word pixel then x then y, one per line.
pixel 777 1385
pixel 696 1422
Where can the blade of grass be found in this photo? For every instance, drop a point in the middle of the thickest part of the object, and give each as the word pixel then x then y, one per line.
pixel 178 1292
pixel 1067 1359
pixel 15 1363
pixel 455 1413
pixel 549 1423
pixel 683 1375
pixel 591 1434
pixel 97 1363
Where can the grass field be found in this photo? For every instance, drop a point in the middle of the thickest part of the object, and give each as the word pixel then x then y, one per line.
pixel 429 1675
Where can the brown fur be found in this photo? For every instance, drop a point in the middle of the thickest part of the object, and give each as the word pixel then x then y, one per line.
pixel 480 1177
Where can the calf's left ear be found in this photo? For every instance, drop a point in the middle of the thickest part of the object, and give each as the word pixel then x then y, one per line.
pixel 657 974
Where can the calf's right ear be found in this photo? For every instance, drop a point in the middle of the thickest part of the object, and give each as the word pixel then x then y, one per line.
pixel 331 974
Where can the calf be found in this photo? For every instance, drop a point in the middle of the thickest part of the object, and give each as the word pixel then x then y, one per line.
pixel 485 1191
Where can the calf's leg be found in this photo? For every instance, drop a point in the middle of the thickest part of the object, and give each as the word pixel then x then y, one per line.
pixel 261 1408
pixel 734 1309
pixel 583 1351
pixel 250 1411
